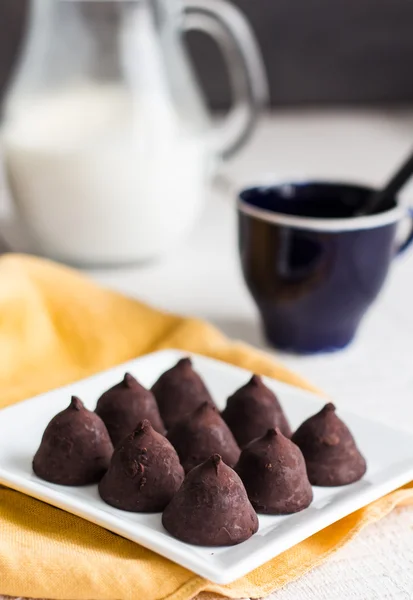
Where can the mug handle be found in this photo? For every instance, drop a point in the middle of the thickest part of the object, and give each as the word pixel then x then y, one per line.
pixel 407 242
pixel 236 40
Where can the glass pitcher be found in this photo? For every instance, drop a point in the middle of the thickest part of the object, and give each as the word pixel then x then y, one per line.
pixel 107 143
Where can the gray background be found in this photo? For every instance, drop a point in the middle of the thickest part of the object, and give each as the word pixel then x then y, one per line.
pixel 316 51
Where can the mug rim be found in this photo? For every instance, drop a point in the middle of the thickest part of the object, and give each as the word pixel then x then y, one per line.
pixel 381 219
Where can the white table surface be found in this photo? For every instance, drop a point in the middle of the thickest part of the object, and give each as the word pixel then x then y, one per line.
pixel 374 376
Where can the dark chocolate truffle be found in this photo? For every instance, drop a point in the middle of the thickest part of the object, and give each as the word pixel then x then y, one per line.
pixel 329 449
pixel 252 410
pixel 273 471
pixel 124 405
pixel 144 472
pixel 202 434
pixel 179 392
pixel 211 507
pixel 75 449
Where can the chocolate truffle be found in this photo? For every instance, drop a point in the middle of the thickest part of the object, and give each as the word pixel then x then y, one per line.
pixel 126 404
pixel 329 449
pixel 252 410
pixel 273 472
pixel 144 472
pixel 201 434
pixel 211 507
pixel 75 449
pixel 179 392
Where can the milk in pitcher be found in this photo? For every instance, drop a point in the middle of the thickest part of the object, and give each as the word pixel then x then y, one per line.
pixel 90 156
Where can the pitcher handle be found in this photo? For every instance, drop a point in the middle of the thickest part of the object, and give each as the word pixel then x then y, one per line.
pixel 237 42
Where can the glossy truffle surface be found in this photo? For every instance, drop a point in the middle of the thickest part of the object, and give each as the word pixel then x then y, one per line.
pixel 329 449
pixel 124 405
pixel 75 449
pixel 274 474
pixel 202 434
pixel 252 410
pixel 211 508
pixel 179 391
pixel 144 472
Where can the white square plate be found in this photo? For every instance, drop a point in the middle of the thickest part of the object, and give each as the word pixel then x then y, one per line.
pixel 389 455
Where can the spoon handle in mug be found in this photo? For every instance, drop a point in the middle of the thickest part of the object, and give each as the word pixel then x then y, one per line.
pixel 391 189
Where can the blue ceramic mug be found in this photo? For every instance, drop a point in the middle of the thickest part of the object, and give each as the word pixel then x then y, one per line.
pixel 311 265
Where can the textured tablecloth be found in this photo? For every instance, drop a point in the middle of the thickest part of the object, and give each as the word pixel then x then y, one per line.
pixel 365 569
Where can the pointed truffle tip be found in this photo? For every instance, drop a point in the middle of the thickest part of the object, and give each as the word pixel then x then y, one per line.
pixel 328 408
pixel 76 403
pixel 215 460
pixel 255 380
pixel 129 380
pixel 142 427
pixel 184 363
pixel 202 408
pixel 272 433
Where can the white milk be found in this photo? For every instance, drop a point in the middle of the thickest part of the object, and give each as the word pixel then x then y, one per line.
pixel 100 178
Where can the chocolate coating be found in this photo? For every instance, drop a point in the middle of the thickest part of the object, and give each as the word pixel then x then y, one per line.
pixel 274 474
pixel 179 392
pixel 329 449
pixel 252 410
pixel 75 449
pixel 144 472
pixel 202 434
pixel 211 507
pixel 126 404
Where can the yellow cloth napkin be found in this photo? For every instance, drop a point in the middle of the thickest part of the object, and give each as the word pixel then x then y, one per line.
pixel 56 327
